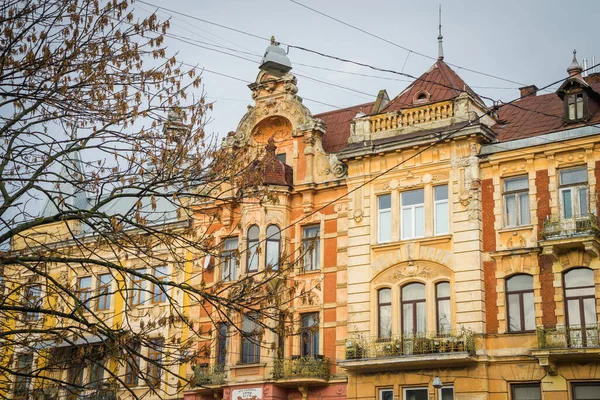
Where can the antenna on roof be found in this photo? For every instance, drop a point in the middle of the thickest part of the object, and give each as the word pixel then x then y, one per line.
pixel 440 37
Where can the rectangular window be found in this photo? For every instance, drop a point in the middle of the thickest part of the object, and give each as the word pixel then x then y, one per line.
pixel 574 192
pixel 22 382
pixel 516 201
pixel 530 391
pixel 33 300
pixel 138 288
pixel 416 394
pixel 250 341
pixel 386 394
pixel 413 218
pixel 84 289
pixel 441 211
pixel 132 364
pixel 159 292
pixel 96 368
pixel 104 292
pixel 442 293
pixel 221 343
pixel 310 335
pixel 229 261
pixel 155 356
pixel 310 243
pixel 586 391
pixel 384 208
pixel 446 393
pixel 575 106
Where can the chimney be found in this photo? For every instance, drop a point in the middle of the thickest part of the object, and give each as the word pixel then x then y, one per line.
pixel 530 90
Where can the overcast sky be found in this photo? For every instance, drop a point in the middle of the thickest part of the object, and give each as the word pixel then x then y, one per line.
pixel 523 41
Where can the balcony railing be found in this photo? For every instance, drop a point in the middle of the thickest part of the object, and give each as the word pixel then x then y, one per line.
pixel 556 228
pixel 563 337
pixel 302 367
pixel 407 345
pixel 209 375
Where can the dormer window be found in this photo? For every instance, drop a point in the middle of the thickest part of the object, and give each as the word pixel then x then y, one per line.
pixel 421 97
pixel 575 106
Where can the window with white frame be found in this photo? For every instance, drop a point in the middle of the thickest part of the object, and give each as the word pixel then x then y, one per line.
pixel 440 210
pixel 573 192
pixel 159 291
pixel 446 393
pixel 413 214
pixel 84 290
pixel 273 247
pixel 386 394
pixel 104 292
pixel 384 222
pixel 229 262
pixel 516 201
pixel 415 394
pixel 252 249
pixel 310 243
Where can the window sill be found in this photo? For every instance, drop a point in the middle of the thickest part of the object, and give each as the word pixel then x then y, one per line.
pixel 446 237
pixel 248 365
pixel 516 228
pixel 312 271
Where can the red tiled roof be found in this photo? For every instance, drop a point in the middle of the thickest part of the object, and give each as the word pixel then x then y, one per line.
pixel 535 115
pixel 337 123
pixel 440 82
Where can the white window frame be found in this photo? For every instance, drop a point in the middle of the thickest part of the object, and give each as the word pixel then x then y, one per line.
pixel 228 257
pixel 383 213
pixel 435 213
pixel 412 208
pixel 311 257
pixel 408 389
pixel 517 196
pixel 384 390
pixel 575 189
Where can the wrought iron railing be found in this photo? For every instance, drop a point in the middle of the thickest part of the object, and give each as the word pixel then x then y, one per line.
pixel 302 367
pixel 407 345
pixel 209 375
pixel 563 337
pixel 584 224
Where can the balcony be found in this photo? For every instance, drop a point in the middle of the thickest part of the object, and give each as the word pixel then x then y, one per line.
pixel 563 236
pixel 566 343
pixel 299 371
pixel 208 377
pixel 410 351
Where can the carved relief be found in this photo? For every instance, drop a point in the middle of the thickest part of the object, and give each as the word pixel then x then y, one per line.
pixel 516 241
pixel 411 270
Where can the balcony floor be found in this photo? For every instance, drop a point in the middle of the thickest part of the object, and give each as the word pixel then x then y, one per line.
pixel 431 360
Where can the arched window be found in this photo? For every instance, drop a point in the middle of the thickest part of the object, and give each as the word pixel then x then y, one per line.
pixel 252 249
pixel 442 297
pixel 413 309
pixel 519 300
pixel 273 247
pixel 580 304
pixel 384 299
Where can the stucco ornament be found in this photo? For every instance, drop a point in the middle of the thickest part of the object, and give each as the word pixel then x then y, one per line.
pixel 411 270
pixel 336 167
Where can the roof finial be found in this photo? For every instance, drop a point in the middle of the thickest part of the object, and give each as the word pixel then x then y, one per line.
pixel 440 37
pixel 575 67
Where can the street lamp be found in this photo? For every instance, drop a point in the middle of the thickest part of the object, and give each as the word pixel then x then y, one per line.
pixel 275 61
pixel 437 382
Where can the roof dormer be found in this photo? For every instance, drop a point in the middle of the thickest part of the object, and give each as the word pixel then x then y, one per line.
pixel 580 100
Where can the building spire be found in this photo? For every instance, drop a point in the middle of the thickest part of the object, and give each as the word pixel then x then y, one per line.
pixel 440 38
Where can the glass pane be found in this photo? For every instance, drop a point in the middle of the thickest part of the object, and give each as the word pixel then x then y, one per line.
pixel 583 201
pixel 386 394
pixel 160 272
pixel 441 218
pixel 421 317
pixel 85 283
pixel 447 393
pixel 231 244
pixel 311 231
pixel 571 108
pixel 529 311
pixel 105 279
pixel 413 291
pixel 273 232
pixel 518 183
pixel 273 254
pixel 570 176
pixel 419 222
pixel 510 213
pixel 253 257
pixel 519 282
pixel 589 311
pixel 526 392
pixel 579 277
pixel 385 296
pixel 385 321
pixel 567 204
pixel 586 391
pixel 440 192
pixel 579 292
pixel 407 231
pixel 444 316
pixel 253 233
pixel 579 106
pixel 416 394
pixel 514 313
pixel 385 201
pixel 412 197
pixel 443 289
pixel 407 319
pixel 524 209
pixel 573 310
pixel 385 226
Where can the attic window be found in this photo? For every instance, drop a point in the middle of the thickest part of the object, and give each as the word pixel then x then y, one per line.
pixel 421 97
pixel 575 106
